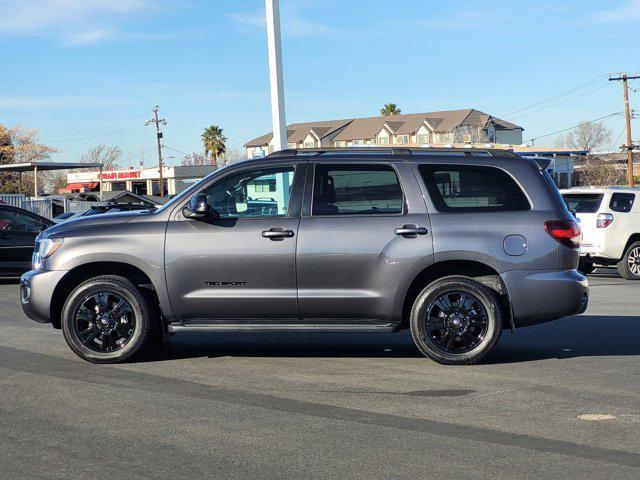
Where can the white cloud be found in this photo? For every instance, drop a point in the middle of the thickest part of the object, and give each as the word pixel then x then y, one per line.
pixel 74 21
pixel 627 12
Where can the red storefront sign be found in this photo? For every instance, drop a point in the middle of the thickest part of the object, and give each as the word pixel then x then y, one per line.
pixel 127 174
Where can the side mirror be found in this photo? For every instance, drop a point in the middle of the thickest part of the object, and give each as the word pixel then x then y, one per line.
pixel 198 208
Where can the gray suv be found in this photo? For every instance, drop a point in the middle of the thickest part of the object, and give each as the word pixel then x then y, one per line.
pixel 456 245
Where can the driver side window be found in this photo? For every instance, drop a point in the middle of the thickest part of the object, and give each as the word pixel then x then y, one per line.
pixel 255 193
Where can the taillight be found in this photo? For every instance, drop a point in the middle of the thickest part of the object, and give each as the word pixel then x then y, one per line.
pixel 565 232
pixel 604 220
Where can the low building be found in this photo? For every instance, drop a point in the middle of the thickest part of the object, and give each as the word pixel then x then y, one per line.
pixel 467 126
pixel 141 181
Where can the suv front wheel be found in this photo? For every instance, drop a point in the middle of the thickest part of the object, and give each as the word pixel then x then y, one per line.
pixel 456 321
pixel 106 320
pixel 629 265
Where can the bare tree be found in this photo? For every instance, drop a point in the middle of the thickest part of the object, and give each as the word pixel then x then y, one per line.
pixel 20 145
pixel 586 136
pixel 109 156
pixel 233 155
pixel 599 172
pixel 195 159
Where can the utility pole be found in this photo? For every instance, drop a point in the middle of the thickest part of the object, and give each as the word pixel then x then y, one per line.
pixel 627 114
pixel 158 137
pixel 276 79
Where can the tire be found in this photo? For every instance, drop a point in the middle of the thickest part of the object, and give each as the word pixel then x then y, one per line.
pixel 585 267
pixel 629 264
pixel 111 312
pixel 479 325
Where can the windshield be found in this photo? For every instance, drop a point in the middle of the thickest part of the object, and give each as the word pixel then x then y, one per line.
pixel 583 202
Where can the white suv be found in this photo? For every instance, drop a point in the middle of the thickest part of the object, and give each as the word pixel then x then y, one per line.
pixel 610 222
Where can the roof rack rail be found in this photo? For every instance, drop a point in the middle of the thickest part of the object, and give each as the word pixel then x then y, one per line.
pixel 294 152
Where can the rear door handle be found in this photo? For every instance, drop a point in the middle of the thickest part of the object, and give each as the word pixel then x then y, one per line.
pixel 411 231
pixel 277 233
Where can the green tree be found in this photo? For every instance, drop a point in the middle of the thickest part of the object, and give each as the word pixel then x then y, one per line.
pixel 390 109
pixel 215 143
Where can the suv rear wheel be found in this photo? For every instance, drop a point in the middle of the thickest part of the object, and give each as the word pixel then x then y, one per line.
pixel 629 265
pixel 456 321
pixel 106 320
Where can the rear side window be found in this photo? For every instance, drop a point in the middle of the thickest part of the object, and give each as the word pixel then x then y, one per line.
pixel 356 190
pixel 622 202
pixel 469 188
pixel 583 202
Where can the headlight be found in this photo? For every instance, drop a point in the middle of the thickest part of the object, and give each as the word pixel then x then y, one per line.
pixel 44 249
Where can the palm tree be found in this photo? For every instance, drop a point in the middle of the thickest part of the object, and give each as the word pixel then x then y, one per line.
pixel 214 143
pixel 390 109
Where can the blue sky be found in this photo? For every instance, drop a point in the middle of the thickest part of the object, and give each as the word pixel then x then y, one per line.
pixel 87 72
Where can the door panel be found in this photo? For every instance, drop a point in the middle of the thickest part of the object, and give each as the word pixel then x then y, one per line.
pixel 240 266
pixel 354 266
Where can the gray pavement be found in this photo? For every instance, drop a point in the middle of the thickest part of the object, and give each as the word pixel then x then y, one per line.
pixel 328 406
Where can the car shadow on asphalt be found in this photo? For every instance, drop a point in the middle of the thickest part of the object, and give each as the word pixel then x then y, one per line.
pixel 579 336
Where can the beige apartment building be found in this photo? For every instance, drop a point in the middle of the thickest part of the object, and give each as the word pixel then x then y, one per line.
pixel 467 126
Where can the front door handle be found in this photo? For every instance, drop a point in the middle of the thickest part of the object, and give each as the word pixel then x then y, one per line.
pixel 277 233
pixel 411 231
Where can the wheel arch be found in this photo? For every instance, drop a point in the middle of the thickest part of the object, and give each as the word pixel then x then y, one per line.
pixel 634 237
pixel 78 274
pixel 481 272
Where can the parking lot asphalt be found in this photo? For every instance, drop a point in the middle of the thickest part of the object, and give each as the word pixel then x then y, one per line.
pixel 328 406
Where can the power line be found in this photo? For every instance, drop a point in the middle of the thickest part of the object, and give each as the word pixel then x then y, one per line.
pixel 176 150
pixel 567 92
pixel 618 138
pixel 571 128
pixel 101 135
pixel 106 127
pixel 559 103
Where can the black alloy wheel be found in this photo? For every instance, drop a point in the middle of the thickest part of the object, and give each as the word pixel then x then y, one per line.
pixel 106 319
pixel 456 320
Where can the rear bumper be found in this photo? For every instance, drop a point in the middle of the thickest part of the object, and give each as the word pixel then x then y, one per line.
pixel 539 296
pixel 36 293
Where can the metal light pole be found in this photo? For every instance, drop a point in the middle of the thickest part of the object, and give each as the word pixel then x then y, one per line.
pixel 276 80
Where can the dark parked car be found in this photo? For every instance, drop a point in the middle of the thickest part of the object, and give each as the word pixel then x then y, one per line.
pixel 456 245
pixel 18 230
pixel 100 209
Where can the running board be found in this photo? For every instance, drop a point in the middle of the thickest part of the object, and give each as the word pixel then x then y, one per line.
pixel 282 328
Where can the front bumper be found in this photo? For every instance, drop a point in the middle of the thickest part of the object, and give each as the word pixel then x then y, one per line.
pixel 36 293
pixel 539 296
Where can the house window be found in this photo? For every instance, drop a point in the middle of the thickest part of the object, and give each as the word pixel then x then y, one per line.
pixel 358 142
pixel 291 145
pixel 383 140
pixel 402 139
pixel 423 138
pixel 309 144
pixel 340 143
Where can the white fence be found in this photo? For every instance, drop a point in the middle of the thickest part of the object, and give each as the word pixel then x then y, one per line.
pixel 41 206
